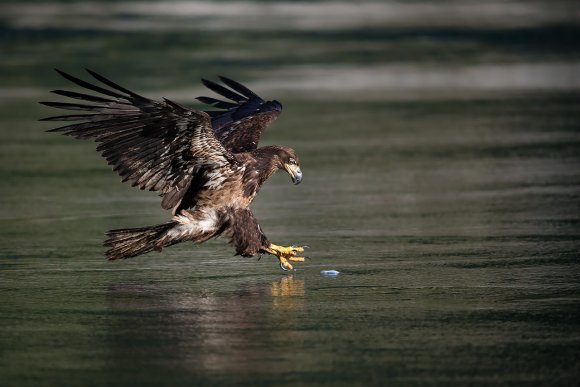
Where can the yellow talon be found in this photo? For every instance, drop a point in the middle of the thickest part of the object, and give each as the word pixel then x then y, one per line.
pixel 285 255
pixel 284 264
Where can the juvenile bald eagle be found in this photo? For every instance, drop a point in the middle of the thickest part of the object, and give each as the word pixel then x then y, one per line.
pixel 206 165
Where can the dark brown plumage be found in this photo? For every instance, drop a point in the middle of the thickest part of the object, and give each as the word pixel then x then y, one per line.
pixel 206 166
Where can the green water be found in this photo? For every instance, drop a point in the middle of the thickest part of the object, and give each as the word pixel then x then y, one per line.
pixel 450 206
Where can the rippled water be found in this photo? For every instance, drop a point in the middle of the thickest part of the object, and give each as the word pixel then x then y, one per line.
pixel 449 204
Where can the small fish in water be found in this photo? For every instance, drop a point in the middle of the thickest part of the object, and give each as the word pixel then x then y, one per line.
pixel 330 273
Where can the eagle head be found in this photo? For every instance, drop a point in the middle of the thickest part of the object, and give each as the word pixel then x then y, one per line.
pixel 288 160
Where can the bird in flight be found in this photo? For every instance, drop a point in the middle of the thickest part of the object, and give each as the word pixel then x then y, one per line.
pixel 206 165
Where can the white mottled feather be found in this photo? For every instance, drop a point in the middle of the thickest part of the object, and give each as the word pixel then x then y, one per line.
pixel 191 226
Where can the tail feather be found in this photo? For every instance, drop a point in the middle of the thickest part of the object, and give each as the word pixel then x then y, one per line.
pixel 130 242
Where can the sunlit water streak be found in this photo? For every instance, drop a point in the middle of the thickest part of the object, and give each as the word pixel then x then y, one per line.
pixel 250 15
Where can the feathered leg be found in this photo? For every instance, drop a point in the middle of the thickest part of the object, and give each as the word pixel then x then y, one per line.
pixel 247 236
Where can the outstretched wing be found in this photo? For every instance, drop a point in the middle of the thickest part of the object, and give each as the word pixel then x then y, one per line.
pixel 240 124
pixel 155 145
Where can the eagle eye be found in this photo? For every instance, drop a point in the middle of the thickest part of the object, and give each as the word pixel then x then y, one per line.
pixel 292 161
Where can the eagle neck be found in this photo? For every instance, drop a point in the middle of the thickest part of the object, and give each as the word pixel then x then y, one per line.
pixel 267 162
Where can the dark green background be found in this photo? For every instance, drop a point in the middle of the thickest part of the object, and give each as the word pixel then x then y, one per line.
pixel 440 147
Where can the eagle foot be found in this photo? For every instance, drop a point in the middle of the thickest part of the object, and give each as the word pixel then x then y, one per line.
pixel 286 255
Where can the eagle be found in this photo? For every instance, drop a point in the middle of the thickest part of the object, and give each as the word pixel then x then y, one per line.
pixel 205 165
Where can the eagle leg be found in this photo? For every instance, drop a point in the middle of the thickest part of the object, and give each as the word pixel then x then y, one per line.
pixel 286 255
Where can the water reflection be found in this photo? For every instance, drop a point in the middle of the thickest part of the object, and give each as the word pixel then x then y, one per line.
pixel 287 294
pixel 202 330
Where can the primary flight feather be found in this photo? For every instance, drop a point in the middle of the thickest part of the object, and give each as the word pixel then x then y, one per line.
pixel 206 166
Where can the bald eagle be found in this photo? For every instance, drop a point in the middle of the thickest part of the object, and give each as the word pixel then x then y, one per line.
pixel 206 165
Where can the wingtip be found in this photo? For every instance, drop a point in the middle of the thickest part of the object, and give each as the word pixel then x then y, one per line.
pixel 207 82
pixel 67 76
pixel 238 87
pixel 202 99
pixel 94 74
pixel 45 103
pixel 226 80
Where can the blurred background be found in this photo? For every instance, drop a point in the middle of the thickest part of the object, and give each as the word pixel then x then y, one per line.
pixel 440 146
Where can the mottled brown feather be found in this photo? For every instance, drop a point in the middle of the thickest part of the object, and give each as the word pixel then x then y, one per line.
pixel 155 145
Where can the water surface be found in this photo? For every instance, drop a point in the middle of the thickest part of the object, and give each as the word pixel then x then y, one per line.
pixel 449 205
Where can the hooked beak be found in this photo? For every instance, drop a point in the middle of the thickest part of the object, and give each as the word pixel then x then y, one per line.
pixel 294 172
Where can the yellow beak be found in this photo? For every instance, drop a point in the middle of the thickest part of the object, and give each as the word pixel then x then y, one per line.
pixel 294 172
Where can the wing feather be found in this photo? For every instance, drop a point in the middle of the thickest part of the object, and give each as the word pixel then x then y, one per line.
pixel 239 87
pixel 112 84
pixel 81 96
pixel 217 103
pixel 222 91
pixel 88 85
pixel 70 106
pixel 240 123
pixel 154 145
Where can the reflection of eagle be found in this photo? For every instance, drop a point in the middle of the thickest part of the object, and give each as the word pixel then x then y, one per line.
pixel 206 165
